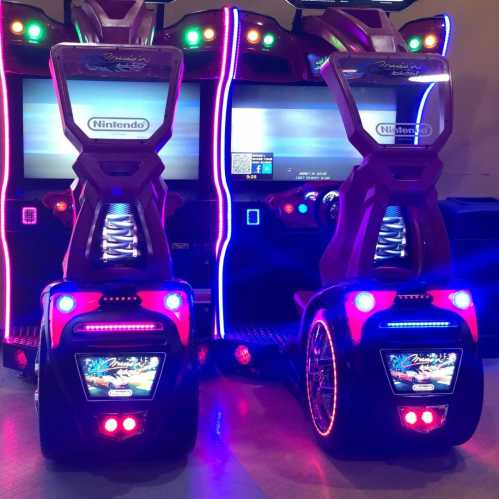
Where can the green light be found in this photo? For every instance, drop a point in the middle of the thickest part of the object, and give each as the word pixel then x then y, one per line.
pixel 415 44
pixel 35 31
pixel 268 40
pixel 193 37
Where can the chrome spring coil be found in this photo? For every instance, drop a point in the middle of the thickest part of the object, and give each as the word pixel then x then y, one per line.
pixel 119 234
pixel 392 239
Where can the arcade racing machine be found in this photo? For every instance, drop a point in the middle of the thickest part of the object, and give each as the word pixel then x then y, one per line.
pixel 36 199
pixel 279 191
pixel 348 273
pixel 117 364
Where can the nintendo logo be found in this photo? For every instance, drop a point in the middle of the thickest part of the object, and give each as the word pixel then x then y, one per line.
pixel 98 124
pixel 404 129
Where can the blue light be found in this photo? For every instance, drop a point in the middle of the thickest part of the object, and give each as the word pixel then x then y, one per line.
pixel 365 301
pixel 303 208
pixel 253 216
pixel 461 300
pixel 173 302
pixel 417 325
pixel 66 304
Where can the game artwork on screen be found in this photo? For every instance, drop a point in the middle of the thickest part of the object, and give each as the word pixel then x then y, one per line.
pixel 417 372
pixel 114 377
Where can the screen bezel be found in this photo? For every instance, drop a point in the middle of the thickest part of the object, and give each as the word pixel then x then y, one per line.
pixel 17 126
pixel 387 351
pixel 154 388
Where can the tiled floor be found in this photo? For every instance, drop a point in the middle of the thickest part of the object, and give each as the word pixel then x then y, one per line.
pixel 254 442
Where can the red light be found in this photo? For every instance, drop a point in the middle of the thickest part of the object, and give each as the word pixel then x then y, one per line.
pixel 129 423
pixel 423 419
pixel 288 208
pixel 21 359
pixel 61 206
pixel 110 425
pixel 427 417
pixel 243 355
pixel 411 418
pixel 203 355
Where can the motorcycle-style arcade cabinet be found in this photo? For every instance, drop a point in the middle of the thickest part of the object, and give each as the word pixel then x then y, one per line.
pixel 379 335
pixel 116 366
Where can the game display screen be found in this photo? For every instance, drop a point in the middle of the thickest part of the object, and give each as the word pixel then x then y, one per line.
pixel 120 377
pixel 295 133
pixel 422 372
pixel 48 154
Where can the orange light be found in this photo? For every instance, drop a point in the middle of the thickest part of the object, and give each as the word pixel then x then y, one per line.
pixel 61 206
pixel 288 208
pixel 253 36
pixel 17 27
pixel 430 41
pixel 209 34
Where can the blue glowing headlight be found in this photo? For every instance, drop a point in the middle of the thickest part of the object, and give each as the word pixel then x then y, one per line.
pixel 365 301
pixel 173 302
pixel 65 304
pixel 461 300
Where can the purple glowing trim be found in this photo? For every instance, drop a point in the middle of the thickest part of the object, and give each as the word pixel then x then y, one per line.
pixel 5 182
pixel 227 71
pixel 426 95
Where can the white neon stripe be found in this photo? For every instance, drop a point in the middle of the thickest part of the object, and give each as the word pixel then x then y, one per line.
pixel 5 182
pixel 218 148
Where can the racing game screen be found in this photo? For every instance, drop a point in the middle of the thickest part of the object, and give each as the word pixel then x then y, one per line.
pixel 48 154
pixel 120 377
pixel 422 372
pixel 295 133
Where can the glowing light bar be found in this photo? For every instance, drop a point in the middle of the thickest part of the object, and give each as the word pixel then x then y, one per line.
pixel 437 78
pixel 417 324
pixel 120 327
pixel 5 146
pixel 227 72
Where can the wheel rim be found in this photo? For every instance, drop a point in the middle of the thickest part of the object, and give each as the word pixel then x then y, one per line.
pixel 321 378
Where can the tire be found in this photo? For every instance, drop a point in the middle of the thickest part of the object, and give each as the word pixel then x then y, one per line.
pixel 331 396
pixel 57 436
pixel 180 433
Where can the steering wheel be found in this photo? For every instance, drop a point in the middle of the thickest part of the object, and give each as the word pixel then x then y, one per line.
pixel 327 209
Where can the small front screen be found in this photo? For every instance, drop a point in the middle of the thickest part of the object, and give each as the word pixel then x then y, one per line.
pixel 295 133
pixel 120 377
pixel 48 154
pixel 422 372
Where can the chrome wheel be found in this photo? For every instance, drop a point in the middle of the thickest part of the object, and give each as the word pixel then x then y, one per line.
pixel 321 377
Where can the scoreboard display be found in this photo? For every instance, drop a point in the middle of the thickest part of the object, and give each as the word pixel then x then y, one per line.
pixel 388 5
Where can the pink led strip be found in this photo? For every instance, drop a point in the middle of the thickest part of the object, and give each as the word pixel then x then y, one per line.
pixel 5 182
pixel 120 327
pixel 227 71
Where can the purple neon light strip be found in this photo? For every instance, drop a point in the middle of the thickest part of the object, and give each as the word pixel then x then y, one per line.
pixel 5 182
pixel 227 71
